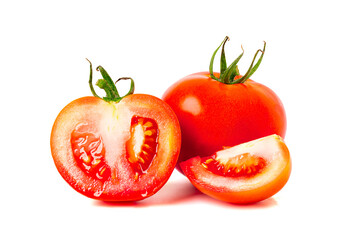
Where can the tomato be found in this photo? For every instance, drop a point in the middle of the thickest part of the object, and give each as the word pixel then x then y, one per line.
pixel 116 148
pixel 217 110
pixel 246 173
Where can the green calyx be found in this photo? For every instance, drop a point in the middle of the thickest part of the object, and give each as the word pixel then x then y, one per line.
pixel 228 73
pixel 108 85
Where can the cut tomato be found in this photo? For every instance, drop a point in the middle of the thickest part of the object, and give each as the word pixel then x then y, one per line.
pixel 246 173
pixel 116 149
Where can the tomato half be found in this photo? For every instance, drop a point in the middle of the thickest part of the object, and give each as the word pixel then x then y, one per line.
pixel 246 173
pixel 214 112
pixel 116 150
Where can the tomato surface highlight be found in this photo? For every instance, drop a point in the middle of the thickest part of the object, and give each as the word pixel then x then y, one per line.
pixel 246 173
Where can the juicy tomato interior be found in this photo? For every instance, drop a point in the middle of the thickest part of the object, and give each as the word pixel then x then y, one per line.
pixel 246 173
pixel 89 153
pixel 243 165
pixel 143 143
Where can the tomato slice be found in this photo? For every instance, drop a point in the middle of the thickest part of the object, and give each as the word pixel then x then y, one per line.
pixel 110 151
pixel 246 173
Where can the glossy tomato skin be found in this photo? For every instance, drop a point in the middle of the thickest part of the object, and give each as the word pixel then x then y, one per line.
pixel 243 190
pixel 111 125
pixel 214 115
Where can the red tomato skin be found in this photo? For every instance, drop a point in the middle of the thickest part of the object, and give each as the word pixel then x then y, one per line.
pixel 214 115
pixel 121 186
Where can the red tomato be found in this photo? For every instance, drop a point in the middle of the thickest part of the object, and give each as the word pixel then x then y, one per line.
pixel 217 110
pixel 121 149
pixel 246 173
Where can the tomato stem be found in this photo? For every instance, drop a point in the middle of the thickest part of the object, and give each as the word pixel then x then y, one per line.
pixel 252 69
pixel 228 74
pixel 90 81
pixel 108 85
pixel 132 85
pixel 212 60
pixel 223 65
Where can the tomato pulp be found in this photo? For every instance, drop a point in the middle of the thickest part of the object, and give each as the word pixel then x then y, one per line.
pixel 246 173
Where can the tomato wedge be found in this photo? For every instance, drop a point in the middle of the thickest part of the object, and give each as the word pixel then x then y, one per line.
pixel 246 173
pixel 116 150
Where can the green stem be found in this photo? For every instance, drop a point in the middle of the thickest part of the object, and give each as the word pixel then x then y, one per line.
pixel 90 81
pixel 132 85
pixel 212 60
pixel 223 65
pixel 228 74
pixel 108 85
pixel 252 69
pixel 232 70
pixel 110 90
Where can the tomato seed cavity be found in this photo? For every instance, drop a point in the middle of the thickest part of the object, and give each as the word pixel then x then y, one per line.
pixel 143 143
pixel 89 153
pixel 244 165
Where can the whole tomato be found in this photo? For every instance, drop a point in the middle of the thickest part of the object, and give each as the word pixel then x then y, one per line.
pixel 219 110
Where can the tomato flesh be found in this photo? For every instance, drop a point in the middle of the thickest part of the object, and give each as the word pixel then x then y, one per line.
pixel 243 165
pixel 89 153
pixel 246 173
pixel 142 146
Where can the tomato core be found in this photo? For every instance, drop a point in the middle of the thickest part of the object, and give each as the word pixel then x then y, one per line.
pixel 89 153
pixel 243 165
pixel 143 143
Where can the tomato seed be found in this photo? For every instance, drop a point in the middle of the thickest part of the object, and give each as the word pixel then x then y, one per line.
pixel 244 165
pixel 142 146
pixel 89 153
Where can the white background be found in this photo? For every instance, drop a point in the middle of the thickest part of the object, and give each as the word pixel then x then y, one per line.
pixel 311 62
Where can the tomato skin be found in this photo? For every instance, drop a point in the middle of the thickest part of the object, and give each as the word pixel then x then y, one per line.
pixel 112 121
pixel 237 190
pixel 214 115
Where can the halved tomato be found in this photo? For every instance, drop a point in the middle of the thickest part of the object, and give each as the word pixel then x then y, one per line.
pixel 246 173
pixel 116 150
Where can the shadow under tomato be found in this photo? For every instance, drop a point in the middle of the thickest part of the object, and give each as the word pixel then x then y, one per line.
pixel 172 192
pixel 181 191
pixel 267 203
